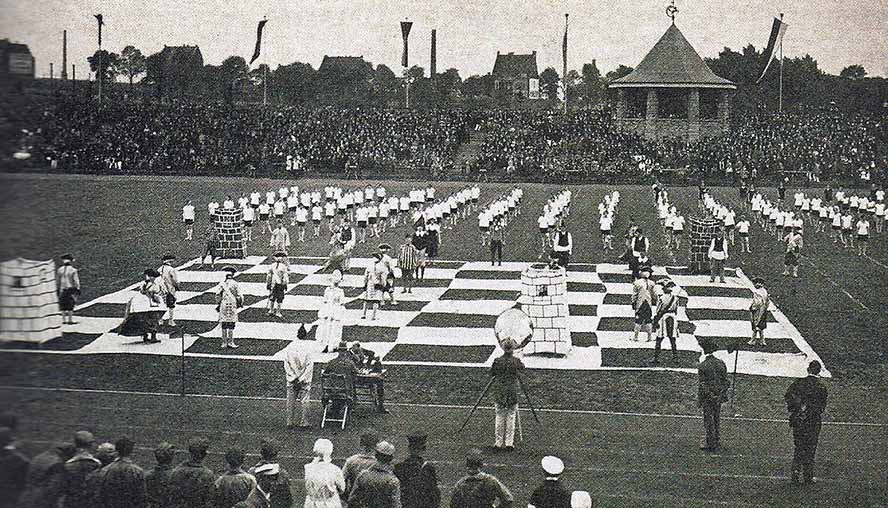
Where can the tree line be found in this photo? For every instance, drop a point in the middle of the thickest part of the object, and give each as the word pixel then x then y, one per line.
pixel 172 74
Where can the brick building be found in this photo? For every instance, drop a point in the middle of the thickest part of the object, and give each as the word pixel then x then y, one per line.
pixel 518 74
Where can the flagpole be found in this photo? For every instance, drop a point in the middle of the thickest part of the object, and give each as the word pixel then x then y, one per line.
pixel 780 93
pixel 564 64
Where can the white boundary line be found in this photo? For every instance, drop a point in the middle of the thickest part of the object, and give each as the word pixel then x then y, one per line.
pixel 435 406
pixel 834 283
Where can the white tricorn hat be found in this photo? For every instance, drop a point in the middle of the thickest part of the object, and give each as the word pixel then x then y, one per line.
pixel 552 465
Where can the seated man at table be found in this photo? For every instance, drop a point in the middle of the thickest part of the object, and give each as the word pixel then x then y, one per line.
pixel 369 364
pixel 343 365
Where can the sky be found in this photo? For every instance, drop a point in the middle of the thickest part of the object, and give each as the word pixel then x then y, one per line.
pixel 469 33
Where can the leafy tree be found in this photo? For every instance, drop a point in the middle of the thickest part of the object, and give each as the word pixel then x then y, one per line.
pixel 619 72
pixel 132 63
pixel 550 83
pixel 593 84
pixel 109 63
pixel 294 83
pixel 477 86
pixel 448 83
pixel 385 85
pixel 853 72
pixel 415 72
pixel 574 84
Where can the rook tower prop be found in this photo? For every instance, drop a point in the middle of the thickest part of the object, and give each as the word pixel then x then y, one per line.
pixel 544 299
pixel 29 307
pixel 229 224
pixel 702 231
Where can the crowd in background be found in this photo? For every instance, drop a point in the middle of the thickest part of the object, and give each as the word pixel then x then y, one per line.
pixel 213 138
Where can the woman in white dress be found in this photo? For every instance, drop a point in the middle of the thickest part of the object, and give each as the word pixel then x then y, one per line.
pixel 330 314
pixel 324 481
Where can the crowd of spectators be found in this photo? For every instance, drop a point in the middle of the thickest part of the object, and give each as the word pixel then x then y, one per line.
pixel 208 138
pixel 219 139
pixel 84 473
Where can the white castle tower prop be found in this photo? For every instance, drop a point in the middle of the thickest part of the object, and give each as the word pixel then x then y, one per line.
pixel 229 224
pixel 544 299
pixel 29 306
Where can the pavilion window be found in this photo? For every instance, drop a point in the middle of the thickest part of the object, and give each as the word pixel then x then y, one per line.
pixel 636 102
pixel 672 103
pixel 709 104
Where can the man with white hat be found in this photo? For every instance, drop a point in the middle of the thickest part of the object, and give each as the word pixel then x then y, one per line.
pixel 378 486
pixel 551 494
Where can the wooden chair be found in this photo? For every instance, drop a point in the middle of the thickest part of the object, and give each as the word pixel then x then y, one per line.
pixel 336 391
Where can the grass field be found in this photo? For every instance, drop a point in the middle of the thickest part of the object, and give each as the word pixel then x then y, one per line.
pixel 117 226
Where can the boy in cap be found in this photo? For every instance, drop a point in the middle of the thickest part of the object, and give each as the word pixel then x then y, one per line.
pixel 419 479
pixel 712 392
pixel 551 494
pixel 76 490
pixel 169 284
pixel 377 486
pixel 666 321
pixel 479 489
pixel 157 481
pixel 68 287
pixel 276 282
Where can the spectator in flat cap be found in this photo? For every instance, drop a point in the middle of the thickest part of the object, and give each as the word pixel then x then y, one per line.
pixel 362 460
pixel 124 482
pixel 234 485
pixel 105 454
pixel 77 470
pixel 13 470
pixel 713 391
pixel 377 487
pixel 191 481
pixel 46 477
pixel 324 481
pixel 551 494
pixel 478 489
pixel 419 479
pixel 157 481
pixel 271 477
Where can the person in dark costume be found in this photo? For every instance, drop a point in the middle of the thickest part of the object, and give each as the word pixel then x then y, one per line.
pixel 806 401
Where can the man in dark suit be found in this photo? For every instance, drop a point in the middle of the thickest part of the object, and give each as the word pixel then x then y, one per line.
pixel 505 371
pixel 805 401
pixel 713 391
pixel 419 478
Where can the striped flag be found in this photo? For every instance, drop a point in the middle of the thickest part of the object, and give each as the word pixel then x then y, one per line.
pixel 101 22
pixel 775 44
pixel 258 41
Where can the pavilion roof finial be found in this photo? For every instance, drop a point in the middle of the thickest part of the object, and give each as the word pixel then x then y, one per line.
pixel 671 11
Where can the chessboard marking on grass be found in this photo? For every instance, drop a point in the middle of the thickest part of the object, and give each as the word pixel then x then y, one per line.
pixel 448 318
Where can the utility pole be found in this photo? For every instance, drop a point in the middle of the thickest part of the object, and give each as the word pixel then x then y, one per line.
pixel 780 93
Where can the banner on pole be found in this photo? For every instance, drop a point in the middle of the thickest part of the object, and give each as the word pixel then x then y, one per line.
pixel 775 43
pixel 405 34
pixel 258 48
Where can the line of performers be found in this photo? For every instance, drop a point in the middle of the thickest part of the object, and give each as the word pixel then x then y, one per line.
pixel 493 220
pixel 554 238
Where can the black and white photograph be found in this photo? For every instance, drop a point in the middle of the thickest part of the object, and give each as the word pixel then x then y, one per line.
pixel 453 254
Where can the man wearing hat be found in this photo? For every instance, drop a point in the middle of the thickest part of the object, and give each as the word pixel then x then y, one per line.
pixel 479 489
pixel 551 494
pixel 377 486
pixel 666 321
pixel 805 401
pixel 343 365
pixel 505 371
pixel 13 469
pixel 68 287
pixel 280 239
pixel 712 392
pixel 169 284
pixel 562 245
pixel 644 299
pixel 276 282
pixel 758 312
pixel 419 479
pixel 389 263
pixel 212 236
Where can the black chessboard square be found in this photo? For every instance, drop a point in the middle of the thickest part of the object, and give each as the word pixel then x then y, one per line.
pixel 442 354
